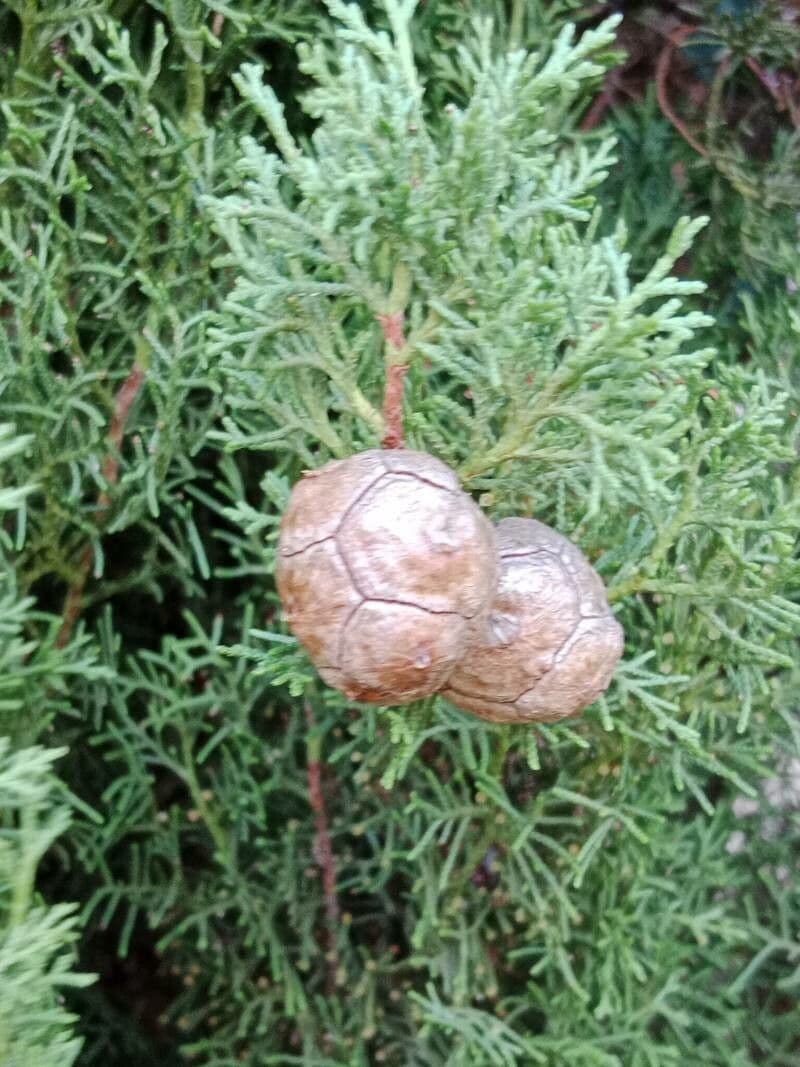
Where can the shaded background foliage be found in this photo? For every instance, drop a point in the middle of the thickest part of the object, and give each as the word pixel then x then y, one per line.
pixel 188 320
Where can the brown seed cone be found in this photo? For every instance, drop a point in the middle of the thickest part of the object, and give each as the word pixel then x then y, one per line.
pixel 550 643
pixel 385 569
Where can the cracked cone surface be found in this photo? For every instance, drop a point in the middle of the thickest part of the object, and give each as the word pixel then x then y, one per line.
pixel 385 570
pixel 549 645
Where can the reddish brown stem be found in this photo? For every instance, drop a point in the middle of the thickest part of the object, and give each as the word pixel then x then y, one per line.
pixel 604 101
pixel 123 402
pixel 779 88
pixel 394 336
pixel 769 80
pixel 323 847
pixel 662 74
pixel 394 436
pixel 73 601
pixel 392 326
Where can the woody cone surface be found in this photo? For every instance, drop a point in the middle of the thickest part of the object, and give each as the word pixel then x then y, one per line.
pixel 385 569
pixel 550 643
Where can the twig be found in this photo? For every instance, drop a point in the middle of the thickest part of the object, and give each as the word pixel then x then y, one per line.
pixel 394 436
pixel 322 848
pixel 768 80
pixel 778 88
pixel 73 602
pixel 662 74
pixel 123 402
pixel 392 326
pixel 615 87
pixel 604 101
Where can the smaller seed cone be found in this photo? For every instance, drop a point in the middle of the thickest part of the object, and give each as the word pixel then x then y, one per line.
pixel 550 643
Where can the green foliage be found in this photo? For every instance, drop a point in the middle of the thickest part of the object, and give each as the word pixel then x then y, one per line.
pixel 741 59
pixel 190 307
pixel 35 674
pixel 36 940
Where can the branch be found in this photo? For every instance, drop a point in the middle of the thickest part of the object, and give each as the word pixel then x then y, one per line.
pixel 322 848
pixel 392 326
pixel 662 73
pixel 123 402
pixel 73 601
pixel 394 436
pixel 778 88
pixel 603 102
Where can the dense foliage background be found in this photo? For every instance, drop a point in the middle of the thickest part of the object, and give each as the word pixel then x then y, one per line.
pixel 206 212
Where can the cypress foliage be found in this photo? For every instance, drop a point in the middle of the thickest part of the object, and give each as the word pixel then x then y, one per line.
pixel 214 251
pixel 35 939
